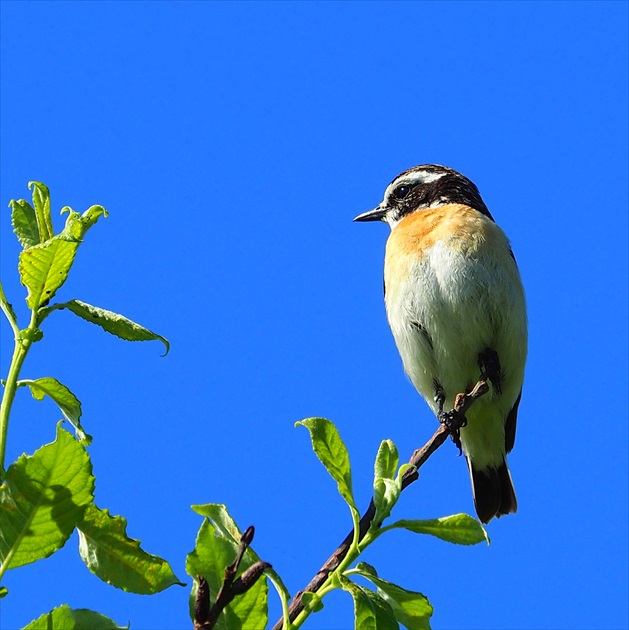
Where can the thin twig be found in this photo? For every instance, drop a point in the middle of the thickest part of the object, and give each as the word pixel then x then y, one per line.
pixel 205 617
pixel 461 404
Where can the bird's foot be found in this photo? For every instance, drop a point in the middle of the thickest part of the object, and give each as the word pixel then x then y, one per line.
pixel 453 421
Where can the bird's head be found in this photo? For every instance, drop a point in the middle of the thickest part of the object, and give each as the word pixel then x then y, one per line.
pixel 421 187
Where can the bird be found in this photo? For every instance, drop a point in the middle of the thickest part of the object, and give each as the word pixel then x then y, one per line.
pixel 456 307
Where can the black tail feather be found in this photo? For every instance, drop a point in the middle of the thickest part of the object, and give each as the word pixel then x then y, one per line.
pixel 493 491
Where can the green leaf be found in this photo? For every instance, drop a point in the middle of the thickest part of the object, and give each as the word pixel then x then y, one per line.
pixel 411 609
pixel 112 322
pixel 65 618
pixel 117 559
pixel 226 526
pixel 365 569
pixel 41 201
pixel 42 500
pixel 385 495
pixel 33 224
pixel 460 529
pixel 371 611
pixel 44 268
pixel 216 548
pixel 24 222
pixel 332 452
pixel 78 224
pixel 45 263
pixel 386 487
pixel 387 461
pixel 224 523
pixel 68 403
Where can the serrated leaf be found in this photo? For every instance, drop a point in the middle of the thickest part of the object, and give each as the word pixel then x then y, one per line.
pixel 387 461
pixel 460 529
pixel 42 499
pixel 68 403
pixel 46 261
pixel 332 452
pixel 119 560
pixel 212 553
pixel 41 202
pixel 411 609
pixel 44 268
pixel 371 611
pixel 113 323
pixel 65 618
pixel 24 222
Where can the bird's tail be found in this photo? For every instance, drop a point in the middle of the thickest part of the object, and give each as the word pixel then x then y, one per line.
pixel 493 491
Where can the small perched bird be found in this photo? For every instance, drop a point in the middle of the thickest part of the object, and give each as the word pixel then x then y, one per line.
pixel 456 307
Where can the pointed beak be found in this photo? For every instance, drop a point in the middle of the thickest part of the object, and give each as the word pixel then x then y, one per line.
pixel 377 214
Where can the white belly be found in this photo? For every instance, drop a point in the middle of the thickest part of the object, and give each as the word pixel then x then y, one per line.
pixel 447 308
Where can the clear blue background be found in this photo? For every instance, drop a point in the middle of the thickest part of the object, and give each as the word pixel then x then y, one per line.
pixel 232 144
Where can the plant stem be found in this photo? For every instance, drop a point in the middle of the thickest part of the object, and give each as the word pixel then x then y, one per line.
pixel 22 344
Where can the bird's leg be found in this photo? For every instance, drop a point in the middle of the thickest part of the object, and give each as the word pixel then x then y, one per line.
pixel 452 419
pixel 440 395
pixel 489 365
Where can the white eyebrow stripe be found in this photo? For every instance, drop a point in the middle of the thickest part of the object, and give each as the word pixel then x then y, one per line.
pixel 415 178
pixel 421 177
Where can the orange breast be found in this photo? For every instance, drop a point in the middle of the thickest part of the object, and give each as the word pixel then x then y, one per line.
pixel 459 226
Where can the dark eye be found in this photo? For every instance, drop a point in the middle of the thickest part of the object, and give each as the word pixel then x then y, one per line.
pixel 401 191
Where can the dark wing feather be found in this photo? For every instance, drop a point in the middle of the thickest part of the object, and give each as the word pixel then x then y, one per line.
pixel 512 418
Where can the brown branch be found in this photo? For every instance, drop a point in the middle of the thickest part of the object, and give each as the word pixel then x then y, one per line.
pixel 202 605
pixel 205 617
pixel 461 404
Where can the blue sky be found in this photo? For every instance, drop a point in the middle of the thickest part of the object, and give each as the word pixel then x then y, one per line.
pixel 232 144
